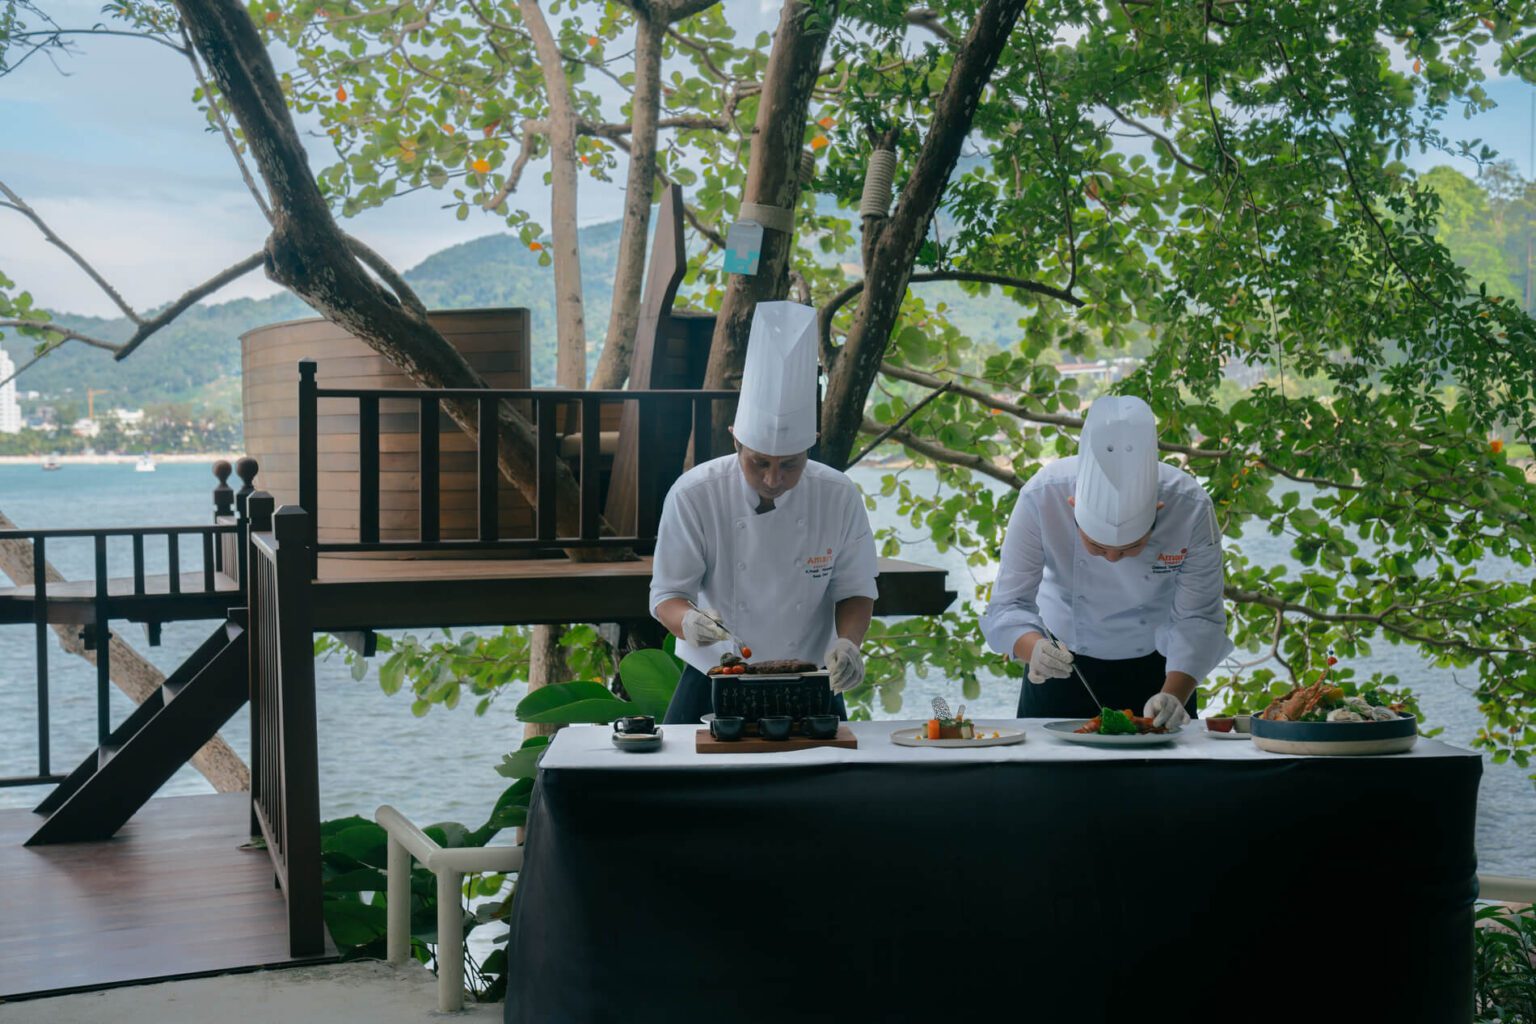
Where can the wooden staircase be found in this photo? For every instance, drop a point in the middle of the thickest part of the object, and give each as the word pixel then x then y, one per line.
pixel 161 735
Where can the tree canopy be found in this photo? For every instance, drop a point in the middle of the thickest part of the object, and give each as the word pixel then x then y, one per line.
pixel 1218 181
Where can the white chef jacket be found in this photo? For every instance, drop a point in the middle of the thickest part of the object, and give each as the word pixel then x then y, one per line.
pixel 1168 598
pixel 775 578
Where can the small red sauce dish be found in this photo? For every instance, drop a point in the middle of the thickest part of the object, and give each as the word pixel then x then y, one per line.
pixel 1221 724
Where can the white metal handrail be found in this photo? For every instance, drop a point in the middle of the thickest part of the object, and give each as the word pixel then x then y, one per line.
pixel 1506 888
pixel 450 866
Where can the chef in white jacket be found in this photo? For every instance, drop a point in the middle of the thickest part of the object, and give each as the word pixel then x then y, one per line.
pixel 763 548
pixel 1117 554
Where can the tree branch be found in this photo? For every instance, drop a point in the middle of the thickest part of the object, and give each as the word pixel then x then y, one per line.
pixel 842 298
pixel 223 122
pixel 1172 150
pixel 379 265
pixel 16 203
pixel 1237 594
pixel 923 17
pixel 939 453
pixel 888 431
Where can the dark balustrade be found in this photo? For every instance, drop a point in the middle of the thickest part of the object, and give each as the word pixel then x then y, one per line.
pixel 553 411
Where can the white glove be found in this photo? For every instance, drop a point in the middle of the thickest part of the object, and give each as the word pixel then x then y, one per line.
pixel 1166 710
pixel 1049 660
pixel 701 629
pixel 845 665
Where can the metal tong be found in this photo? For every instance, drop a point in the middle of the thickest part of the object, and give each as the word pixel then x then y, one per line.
pixel 1075 670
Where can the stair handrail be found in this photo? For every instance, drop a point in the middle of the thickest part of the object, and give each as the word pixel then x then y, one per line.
pixel 449 866
pixel 285 788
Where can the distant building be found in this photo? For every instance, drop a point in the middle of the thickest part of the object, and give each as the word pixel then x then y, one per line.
pixel 85 428
pixel 129 421
pixel 10 409
pixel 1105 371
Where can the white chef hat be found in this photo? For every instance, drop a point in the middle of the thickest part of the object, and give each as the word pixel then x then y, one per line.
pixel 1117 471
pixel 776 414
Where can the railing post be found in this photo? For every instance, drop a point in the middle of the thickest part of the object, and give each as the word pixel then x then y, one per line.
pixel 368 469
pixel 450 941
pixel 40 621
pixel 292 528
pixel 256 512
pixel 309 456
pixel 397 931
pixel 488 467
pixel 102 636
pixel 223 494
pixel 247 469
pixel 547 453
pixel 591 455
pixel 430 504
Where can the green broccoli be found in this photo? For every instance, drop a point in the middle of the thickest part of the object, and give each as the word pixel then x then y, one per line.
pixel 1373 698
pixel 1115 723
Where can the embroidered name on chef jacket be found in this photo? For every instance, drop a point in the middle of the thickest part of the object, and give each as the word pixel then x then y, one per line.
pixel 1170 561
pixel 819 566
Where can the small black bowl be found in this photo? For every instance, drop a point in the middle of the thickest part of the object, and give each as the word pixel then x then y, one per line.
pixel 726 727
pixel 775 727
pixel 821 727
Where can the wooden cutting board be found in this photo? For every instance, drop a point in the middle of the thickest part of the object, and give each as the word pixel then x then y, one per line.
pixel 704 743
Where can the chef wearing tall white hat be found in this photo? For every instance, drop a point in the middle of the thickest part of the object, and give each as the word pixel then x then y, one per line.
pixel 1117 555
pixel 764 549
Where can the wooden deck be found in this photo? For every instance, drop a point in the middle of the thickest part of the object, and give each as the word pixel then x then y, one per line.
pixel 172 896
pixel 401 593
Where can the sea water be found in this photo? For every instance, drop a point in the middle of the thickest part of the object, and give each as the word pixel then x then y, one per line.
pixel 440 767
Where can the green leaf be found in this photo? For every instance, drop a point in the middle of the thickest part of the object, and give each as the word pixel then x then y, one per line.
pixel 365 843
pixel 650 678
pixel 352 923
pixel 524 763
pixel 566 703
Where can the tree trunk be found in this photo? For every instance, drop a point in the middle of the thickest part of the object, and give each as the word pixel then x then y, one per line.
pixel 900 237
pixel 570 317
pixel 773 179
pixel 546 664
pixel 309 254
pixel 131 672
pixel 639 187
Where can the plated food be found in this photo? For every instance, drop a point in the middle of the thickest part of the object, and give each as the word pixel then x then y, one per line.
pixel 1110 722
pixel 1322 702
pixel 953 729
pixel 734 665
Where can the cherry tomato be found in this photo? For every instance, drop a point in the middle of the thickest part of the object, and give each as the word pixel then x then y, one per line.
pixel 746 652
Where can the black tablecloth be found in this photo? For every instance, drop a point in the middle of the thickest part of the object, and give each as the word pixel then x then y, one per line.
pixel 1284 889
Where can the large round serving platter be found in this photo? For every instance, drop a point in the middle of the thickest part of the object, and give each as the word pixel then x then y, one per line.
pixel 1336 739
pixel 1068 731
pixel 1006 734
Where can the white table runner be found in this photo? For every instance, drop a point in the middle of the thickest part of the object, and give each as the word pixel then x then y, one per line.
pixel 590 747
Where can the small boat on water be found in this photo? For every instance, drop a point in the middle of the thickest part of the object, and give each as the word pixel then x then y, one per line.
pixel 146 464
pixel 52 462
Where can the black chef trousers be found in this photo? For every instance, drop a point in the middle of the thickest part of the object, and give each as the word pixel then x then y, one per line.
pixel 1121 684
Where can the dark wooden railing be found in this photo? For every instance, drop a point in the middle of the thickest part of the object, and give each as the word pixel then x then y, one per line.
pixel 285 792
pixel 545 405
pixel 94 616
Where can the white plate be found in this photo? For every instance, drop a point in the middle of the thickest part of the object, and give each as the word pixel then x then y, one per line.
pixel 1005 736
pixel 1233 735
pixel 1064 731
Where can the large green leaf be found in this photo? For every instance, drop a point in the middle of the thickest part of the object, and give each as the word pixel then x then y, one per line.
pixel 352 923
pixel 365 843
pixel 650 677
pixel 565 703
pixel 524 762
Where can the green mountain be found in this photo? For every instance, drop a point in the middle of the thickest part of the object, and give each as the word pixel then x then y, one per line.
pixel 196 360
pixel 1488 223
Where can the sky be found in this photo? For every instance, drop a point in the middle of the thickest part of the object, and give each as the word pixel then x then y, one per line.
pixel 109 150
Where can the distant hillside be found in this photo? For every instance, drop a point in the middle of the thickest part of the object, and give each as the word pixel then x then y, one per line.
pixel 196 359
